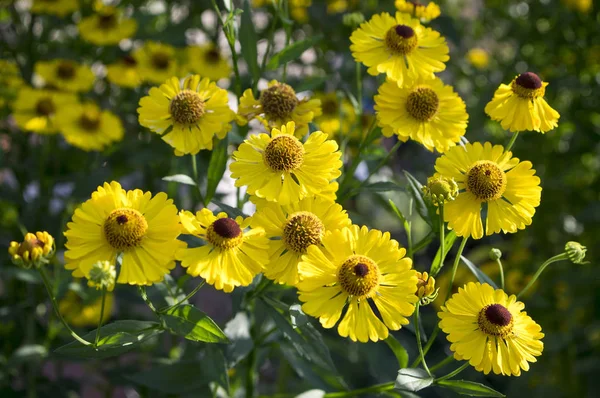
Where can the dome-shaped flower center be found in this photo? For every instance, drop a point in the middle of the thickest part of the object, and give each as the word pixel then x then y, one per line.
pixel 224 233
pixel 125 228
pixel 486 180
pixel 358 276
pixel 90 120
pixel 45 107
pixel 212 56
pixel 495 320
pixel 160 60
pixel 128 60
pixel 301 230
pixel 422 103
pixel 278 101
pixel 284 153
pixel 187 107
pixel 528 85
pixel 66 70
pixel 401 39
pixel 107 20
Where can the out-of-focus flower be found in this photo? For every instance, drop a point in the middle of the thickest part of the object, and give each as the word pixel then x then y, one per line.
pixel 66 75
pixel 353 20
pixel 124 72
pixel 156 62
pixel 80 313
pixel 35 250
pixel 59 8
pixel 102 276
pixel 583 6
pixel 10 82
pixel 338 117
pixel 107 27
pixel 478 57
pixel 416 9
pixel 207 61
pixel 35 110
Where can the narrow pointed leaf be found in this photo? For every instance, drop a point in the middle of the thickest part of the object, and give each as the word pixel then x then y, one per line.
pixel 216 169
pixel 412 380
pixel 448 242
pixel 248 40
pixel 469 388
pixel 414 188
pixel 189 322
pixel 398 350
pixel 292 52
pixel 180 178
pixel 480 275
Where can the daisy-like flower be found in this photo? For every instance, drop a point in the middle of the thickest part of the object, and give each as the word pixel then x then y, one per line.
pixel 490 330
pixel 187 115
pixel 415 8
pixel 354 269
pixel 521 106
pixel 400 47
pixel 232 256
pixel 124 72
pixel 156 62
pixel 88 127
pixel 59 8
pixel 207 61
pixel 488 177
pixel 279 168
pixel 66 75
pixel 141 227
pixel 278 105
pixel 107 27
pixel 428 112
pixel 35 110
pixel 292 229
pixel 81 312
pixel 338 117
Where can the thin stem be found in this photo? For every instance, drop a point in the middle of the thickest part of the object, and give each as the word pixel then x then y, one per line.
pixel 558 257
pixel 454 372
pixel 144 295
pixel 101 317
pixel 189 296
pixel 355 393
pixel 501 273
pixel 418 336
pixel 511 142
pixel 442 240
pixel 55 306
pixel 230 35
pixel 195 177
pixel 359 89
pixel 427 347
pixel 442 363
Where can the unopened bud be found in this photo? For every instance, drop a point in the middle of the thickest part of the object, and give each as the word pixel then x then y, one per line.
pixel 440 189
pixel 353 20
pixel 495 254
pixel 35 250
pixel 426 290
pixel 102 276
pixel 576 252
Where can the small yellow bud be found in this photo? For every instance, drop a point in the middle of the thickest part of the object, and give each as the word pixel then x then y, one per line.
pixel 576 252
pixel 495 254
pixel 35 250
pixel 426 290
pixel 440 189
pixel 102 276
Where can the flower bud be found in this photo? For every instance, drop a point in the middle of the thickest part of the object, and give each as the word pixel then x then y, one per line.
pixel 495 254
pixel 353 20
pixel 35 250
pixel 440 189
pixel 426 290
pixel 102 276
pixel 576 252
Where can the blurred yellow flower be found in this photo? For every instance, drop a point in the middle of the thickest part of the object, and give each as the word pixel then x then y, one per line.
pixel 10 81
pixel 80 313
pixel 107 27
pixel 54 7
pixel 156 62
pixel 583 6
pixel 478 57
pixel 66 75
pixel 35 110
pixel 338 116
pixel 124 72
pixel 207 61
pixel 35 250
pixel 102 276
pixel 416 9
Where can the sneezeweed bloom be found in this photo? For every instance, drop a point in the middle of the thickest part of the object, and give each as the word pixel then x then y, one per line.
pixel 400 47
pixel 490 330
pixel 280 168
pixel 488 176
pixel 354 269
pixel 278 105
pixel 107 27
pixel 207 61
pixel 440 189
pixel 428 112
pixel 292 229
pixel 59 8
pixel 102 276
pixel 232 255
pixel 66 75
pixel 35 110
pixel 338 117
pixel 187 115
pixel 426 290
pixel 81 312
pixel 521 106
pixel 35 250
pixel 88 127
pixel 124 72
pixel 141 227
pixel 156 62
pixel 421 11
pixel 478 57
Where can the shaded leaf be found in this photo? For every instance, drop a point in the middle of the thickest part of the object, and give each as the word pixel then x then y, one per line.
pixel 410 379
pixel 248 40
pixel 177 378
pixel 231 211
pixel 414 188
pixel 217 370
pixel 382 186
pixel 292 52
pixel 189 322
pixel 216 169
pixel 481 276
pixel 469 388
pixel 180 178
pixel 310 83
pixel 398 350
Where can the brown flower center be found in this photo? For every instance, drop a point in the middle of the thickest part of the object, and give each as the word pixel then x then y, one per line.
pixel 45 107
pixel 66 70
pixel 187 107
pixel 422 103
pixel 284 153
pixel 401 39
pixel 278 101
pixel 301 230
pixel 161 60
pixel 212 56
pixel 107 21
pixel 125 228
pixel 224 233
pixel 90 120
pixel 486 180
pixel 528 85
pixel 358 276
pixel 495 320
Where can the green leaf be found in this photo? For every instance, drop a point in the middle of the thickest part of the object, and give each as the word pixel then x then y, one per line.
pixel 217 370
pixel 292 52
pixel 398 350
pixel 310 83
pixel 469 388
pixel 397 211
pixel 414 187
pixel 410 379
pixel 231 211
pixel 180 178
pixel 189 322
pixel 115 339
pixel 228 4
pixel 382 186
pixel 237 331
pixel 248 40
pixel 177 378
pixel 216 169
pixel 481 277
pixel 448 242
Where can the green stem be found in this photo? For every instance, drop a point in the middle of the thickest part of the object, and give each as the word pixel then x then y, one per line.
pixel 442 240
pixel 418 336
pixel 195 177
pixel 359 89
pixel 230 35
pixel 189 296
pixel 144 295
pixel 101 317
pixel 501 273
pixel 354 393
pixel 511 142
pixel 408 230
pixel 559 257
pixel 442 363
pixel 453 373
pixel 55 306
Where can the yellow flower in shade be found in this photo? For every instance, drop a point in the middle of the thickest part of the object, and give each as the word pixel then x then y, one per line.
pixel 428 112
pixel 188 115
pixel 490 330
pixel 35 250
pixel 338 117
pixel 10 82
pixel 278 105
pixel 232 255
pixel 54 7
pixel 124 72
pixel 400 47
pixel 207 61
pixel 102 276
pixel 279 168
pixel 424 12
pixel 521 106
pixel 583 6
pixel 488 177
pixel 107 27
pixel 478 57
pixel 141 227
pixel 337 6
pixel 84 313
pixel 35 110
pixel 292 229
pixel 66 75
pixel 298 8
pixel 354 269
pixel 156 62
pixel 88 127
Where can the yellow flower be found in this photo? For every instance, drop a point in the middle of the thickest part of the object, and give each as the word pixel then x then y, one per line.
pixel 83 313
pixel 141 227
pixel 428 112
pixel 338 117
pixel 66 75
pixel 10 82
pixel 292 229
pixel 54 7
pixel 207 61
pixel 337 6
pixel 400 47
pixel 490 330
pixel 298 8
pixel 354 269
pixel 231 256
pixel 488 176
pixel 156 62
pixel 279 168
pixel 35 110
pixel 425 285
pixel 124 73
pixel 35 250
pixel 521 106
pixel 425 13
pixel 187 115
pixel 583 6
pixel 278 105
pixel 102 276
pixel 88 127
pixel 107 27
pixel 478 57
